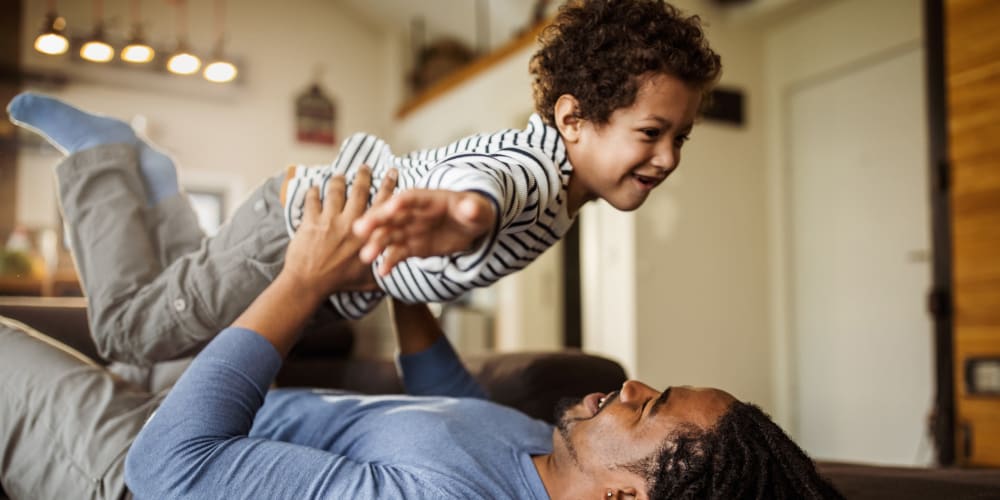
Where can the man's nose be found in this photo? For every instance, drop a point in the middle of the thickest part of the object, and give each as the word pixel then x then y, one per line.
pixel 633 390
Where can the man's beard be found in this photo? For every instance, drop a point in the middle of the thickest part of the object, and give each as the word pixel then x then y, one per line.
pixel 563 422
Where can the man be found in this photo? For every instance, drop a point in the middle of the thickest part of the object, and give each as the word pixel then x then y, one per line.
pixel 217 436
pixel 71 429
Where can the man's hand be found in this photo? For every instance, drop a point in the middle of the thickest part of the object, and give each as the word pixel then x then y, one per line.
pixel 424 223
pixel 323 254
pixel 322 258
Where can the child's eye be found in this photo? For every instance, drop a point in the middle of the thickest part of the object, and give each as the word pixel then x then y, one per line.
pixel 681 139
pixel 651 133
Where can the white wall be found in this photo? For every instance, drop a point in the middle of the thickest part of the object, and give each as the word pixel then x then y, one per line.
pixel 700 249
pixel 236 135
pixel 829 37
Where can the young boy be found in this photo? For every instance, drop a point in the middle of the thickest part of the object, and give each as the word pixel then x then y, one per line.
pixel 617 87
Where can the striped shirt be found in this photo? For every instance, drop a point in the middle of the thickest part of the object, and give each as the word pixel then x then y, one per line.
pixel 525 173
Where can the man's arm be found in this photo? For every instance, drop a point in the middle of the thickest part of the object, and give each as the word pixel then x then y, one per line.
pixel 321 257
pixel 196 445
pixel 427 362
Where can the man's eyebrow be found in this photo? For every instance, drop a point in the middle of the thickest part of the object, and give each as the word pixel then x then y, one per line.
pixel 659 402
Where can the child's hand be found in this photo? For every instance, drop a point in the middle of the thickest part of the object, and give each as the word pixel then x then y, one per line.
pixel 424 223
pixel 322 254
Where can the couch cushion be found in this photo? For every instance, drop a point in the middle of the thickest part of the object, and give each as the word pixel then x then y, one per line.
pixel 863 482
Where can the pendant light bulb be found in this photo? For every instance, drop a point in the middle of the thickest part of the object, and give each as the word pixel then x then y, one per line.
pixel 97 51
pixel 183 62
pixel 220 71
pixel 51 39
pixel 137 52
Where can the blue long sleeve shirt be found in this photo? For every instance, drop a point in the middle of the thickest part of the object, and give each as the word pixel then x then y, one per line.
pixel 221 434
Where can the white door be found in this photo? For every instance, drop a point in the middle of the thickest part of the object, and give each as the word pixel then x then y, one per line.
pixel 859 218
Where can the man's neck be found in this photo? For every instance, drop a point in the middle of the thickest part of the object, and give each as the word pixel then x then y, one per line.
pixel 560 482
pixel 545 464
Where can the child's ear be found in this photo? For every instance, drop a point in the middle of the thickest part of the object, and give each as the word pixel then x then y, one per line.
pixel 567 117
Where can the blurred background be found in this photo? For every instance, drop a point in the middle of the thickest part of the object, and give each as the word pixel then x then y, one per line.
pixel 791 260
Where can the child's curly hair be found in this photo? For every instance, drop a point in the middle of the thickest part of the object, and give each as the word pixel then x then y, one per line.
pixel 598 50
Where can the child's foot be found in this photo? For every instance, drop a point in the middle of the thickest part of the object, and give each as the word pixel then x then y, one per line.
pixel 69 129
pixel 425 223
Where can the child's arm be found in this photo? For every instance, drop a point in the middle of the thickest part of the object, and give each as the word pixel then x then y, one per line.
pixel 424 223
pixel 469 196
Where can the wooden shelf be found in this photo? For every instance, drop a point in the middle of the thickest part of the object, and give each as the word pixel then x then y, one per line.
pixel 63 283
pixel 470 71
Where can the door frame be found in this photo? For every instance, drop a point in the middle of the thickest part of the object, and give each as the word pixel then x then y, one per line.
pixel 940 297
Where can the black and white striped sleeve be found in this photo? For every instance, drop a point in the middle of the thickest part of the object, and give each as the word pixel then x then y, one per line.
pixel 520 182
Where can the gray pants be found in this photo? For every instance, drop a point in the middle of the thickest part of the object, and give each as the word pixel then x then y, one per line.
pixel 65 421
pixel 156 290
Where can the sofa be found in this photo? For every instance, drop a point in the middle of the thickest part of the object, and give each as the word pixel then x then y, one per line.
pixel 529 381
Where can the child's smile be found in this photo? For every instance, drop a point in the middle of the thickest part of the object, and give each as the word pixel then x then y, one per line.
pixel 623 160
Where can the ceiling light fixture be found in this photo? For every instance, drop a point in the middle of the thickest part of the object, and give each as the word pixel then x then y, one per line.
pixel 137 51
pixel 96 49
pixel 182 62
pixel 51 39
pixel 220 70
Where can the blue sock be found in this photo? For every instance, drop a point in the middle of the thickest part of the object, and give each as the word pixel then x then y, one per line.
pixel 67 128
pixel 71 130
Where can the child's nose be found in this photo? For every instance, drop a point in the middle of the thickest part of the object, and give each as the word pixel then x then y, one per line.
pixel 665 159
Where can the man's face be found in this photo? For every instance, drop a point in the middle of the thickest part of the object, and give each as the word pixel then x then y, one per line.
pixel 606 431
pixel 622 161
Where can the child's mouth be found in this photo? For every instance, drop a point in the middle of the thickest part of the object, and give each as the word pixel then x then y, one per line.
pixel 645 181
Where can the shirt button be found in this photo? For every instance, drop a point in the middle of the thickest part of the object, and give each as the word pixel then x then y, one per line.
pixel 180 304
pixel 259 206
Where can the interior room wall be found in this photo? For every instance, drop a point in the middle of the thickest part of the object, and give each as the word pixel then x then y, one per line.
pixel 229 136
pixel 798 50
pixel 700 252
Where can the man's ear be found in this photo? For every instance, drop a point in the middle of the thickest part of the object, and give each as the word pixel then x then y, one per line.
pixel 567 118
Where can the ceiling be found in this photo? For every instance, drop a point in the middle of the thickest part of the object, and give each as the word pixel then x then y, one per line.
pixel 455 18
pixel 458 18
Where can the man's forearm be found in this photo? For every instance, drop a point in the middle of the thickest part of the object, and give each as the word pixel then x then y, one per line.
pixel 427 363
pixel 416 328
pixel 280 311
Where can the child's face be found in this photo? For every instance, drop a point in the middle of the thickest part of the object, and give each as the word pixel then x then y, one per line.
pixel 623 160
